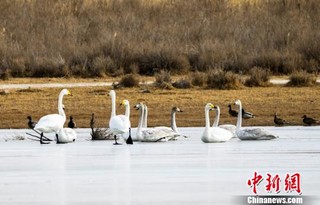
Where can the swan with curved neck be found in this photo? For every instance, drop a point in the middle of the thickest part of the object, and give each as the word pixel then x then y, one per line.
pixel 173 130
pixel 120 124
pixel 149 134
pixel 53 122
pixel 250 133
pixel 214 134
pixel 229 127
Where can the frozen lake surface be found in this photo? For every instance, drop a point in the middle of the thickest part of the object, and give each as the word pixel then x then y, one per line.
pixel 186 171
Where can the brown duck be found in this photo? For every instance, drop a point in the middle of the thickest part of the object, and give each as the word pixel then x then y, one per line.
pixel 245 114
pixel 309 121
pixel 279 121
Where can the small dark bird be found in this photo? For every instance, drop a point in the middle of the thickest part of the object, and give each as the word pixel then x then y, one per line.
pixel 71 123
pixel 99 133
pixel 247 115
pixel 31 124
pixel 233 113
pixel 278 121
pixel 309 121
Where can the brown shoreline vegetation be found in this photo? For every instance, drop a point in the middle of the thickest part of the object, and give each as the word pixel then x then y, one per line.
pixel 290 103
pixel 196 52
pixel 97 38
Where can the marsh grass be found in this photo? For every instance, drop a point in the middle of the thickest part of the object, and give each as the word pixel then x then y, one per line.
pixel 219 79
pixel 258 77
pixel 99 38
pixel 129 81
pixel 287 101
pixel 301 79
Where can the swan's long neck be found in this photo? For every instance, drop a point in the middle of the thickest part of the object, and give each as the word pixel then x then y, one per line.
pixel 239 121
pixel 217 117
pixel 113 104
pixel 145 117
pixel 127 113
pixel 60 106
pixel 207 130
pixel 141 114
pixel 173 122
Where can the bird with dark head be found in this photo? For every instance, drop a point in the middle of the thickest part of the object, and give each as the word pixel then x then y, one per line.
pixel 309 121
pixel 279 121
pixel 232 113
pixel 31 124
pixel 247 115
pixel 71 123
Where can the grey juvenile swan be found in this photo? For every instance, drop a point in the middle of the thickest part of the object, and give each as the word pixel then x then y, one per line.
pixel 251 133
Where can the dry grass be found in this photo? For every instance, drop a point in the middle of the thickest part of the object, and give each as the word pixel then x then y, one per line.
pixel 290 103
pixel 258 77
pixel 90 38
pixel 302 79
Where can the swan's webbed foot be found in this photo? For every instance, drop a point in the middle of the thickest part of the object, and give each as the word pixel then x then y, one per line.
pixel 44 137
pixel 115 141
pixel 129 140
pixel 41 141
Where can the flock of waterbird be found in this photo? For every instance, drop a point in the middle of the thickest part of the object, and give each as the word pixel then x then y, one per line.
pixel 119 125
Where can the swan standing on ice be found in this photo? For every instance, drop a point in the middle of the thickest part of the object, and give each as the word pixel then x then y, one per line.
pixel 120 124
pixel 250 133
pixel 54 122
pixel 149 134
pixel 214 134
pixel 229 127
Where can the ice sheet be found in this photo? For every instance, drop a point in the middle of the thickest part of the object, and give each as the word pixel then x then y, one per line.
pixel 186 171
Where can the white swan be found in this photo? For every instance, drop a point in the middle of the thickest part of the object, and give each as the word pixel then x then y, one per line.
pixel 53 122
pixel 66 135
pixel 120 124
pixel 229 127
pixel 149 134
pixel 214 134
pixel 250 133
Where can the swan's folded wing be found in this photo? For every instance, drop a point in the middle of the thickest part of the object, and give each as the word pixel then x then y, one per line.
pixel 50 123
pixel 255 134
pixel 154 135
pixel 229 127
